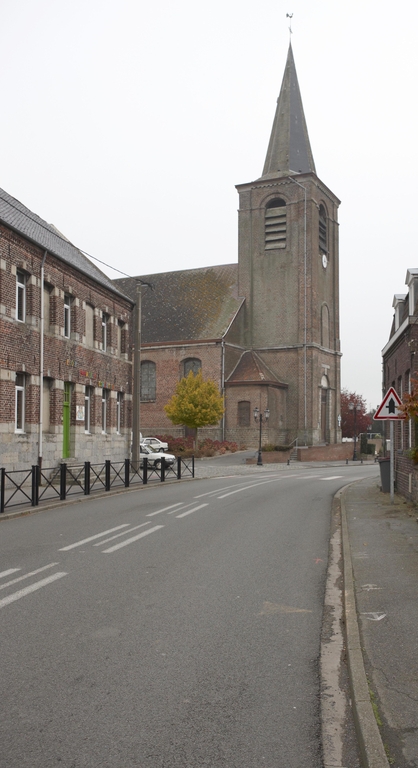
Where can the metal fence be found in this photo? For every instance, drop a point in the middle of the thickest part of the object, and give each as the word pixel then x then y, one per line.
pixel 34 485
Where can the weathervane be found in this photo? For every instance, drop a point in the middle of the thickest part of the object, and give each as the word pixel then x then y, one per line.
pixel 290 16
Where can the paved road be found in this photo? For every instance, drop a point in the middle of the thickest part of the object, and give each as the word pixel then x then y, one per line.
pixel 169 626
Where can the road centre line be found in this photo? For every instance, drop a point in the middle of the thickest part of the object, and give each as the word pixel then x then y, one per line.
pixel 189 511
pixel 246 487
pixel 133 538
pixel 158 512
pixel 118 535
pixel 334 477
pixel 27 575
pixel 92 538
pixel 32 588
pixel 7 573
pixel 227 487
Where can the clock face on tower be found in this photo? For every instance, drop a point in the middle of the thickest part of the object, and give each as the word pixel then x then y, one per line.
pixel 324 261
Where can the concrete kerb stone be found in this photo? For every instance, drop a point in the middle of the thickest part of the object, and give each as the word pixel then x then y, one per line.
pixel 368 734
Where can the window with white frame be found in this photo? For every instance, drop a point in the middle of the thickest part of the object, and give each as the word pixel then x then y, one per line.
pixel 105 410
pixel 105 331
pixel 46 404
pixel 121 346
pixel 20 295
pixel 88 395
pixel 67 315
pixel 89 325
pixel 119 412
pixel 20 402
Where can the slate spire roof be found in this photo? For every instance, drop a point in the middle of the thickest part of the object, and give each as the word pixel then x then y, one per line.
pixel 289 150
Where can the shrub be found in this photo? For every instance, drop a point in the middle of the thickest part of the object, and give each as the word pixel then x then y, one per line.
pixel 183 446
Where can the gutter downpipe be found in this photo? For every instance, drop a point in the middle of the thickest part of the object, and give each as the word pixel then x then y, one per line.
pixel 305 316
pixel 41 365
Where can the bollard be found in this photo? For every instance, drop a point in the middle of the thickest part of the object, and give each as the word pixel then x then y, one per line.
pixel 63 481
pixel 145 471
pixel 107 475
pixel 35 485
pixel 126 473
pixel 178 467
pixel 2 488
pixel 87 478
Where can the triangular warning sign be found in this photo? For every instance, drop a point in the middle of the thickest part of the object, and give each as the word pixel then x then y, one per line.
pixel 389 407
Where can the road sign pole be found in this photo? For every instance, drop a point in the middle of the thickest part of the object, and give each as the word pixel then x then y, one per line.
pixel 392 462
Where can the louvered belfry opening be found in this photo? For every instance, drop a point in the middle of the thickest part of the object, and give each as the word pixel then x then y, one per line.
pixel 322 230
pixel 275 224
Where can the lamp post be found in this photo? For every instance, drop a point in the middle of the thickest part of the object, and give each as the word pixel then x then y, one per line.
pixel 258 416
pixel 354 407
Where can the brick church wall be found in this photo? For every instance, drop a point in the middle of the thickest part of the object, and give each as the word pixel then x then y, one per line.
pixel 169 362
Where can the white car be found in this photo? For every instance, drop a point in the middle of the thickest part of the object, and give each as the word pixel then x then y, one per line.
pixel 155 457
pixel 154 442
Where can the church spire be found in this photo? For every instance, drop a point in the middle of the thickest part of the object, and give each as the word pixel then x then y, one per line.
pixel 289 150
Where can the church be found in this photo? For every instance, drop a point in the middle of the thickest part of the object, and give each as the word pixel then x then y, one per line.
pixel 265 329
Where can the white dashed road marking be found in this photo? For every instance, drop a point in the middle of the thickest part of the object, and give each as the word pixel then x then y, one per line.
pixel 27 575
pixel 189 511
pixel 7 573
pixel 92 538
pixel 131 539
pixel 32 588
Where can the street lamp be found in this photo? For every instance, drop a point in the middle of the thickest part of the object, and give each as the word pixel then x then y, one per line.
pixel 258 416
pixel 354 407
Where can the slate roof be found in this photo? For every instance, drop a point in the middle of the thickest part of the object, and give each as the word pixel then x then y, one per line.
pixel 15 215
pixel 188 305
pixel 289 149
pixel 251 369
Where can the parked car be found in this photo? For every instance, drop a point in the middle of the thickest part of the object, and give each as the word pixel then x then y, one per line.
pixel 154 457
pixel 154 442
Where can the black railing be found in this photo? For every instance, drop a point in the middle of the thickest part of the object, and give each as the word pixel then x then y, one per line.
pixel 31 486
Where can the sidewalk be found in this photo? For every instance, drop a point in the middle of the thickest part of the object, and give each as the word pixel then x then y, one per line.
pixel 380 552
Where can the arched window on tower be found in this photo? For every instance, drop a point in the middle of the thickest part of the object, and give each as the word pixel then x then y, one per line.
pixel 325 338
pixel 323 239
pixel 191 364
pixel 275 224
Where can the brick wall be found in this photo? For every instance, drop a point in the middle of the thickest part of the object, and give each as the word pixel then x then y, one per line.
pixel 65 359
pixel 334 452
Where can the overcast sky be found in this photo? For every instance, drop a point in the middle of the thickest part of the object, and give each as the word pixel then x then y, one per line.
pixel 128 123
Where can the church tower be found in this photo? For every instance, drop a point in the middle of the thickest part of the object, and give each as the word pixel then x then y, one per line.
pixel 288 274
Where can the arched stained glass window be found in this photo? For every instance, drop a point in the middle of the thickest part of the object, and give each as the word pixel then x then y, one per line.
pixel 191 364
pixel 148 380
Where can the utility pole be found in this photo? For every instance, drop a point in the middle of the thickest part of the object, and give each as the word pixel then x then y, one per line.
pixel 136 421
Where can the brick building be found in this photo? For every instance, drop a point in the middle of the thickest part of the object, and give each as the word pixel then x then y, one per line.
pixel 65 349
pixel 400 367
pixel 265 329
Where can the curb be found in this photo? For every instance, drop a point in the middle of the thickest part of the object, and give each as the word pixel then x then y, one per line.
pixel 370 742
